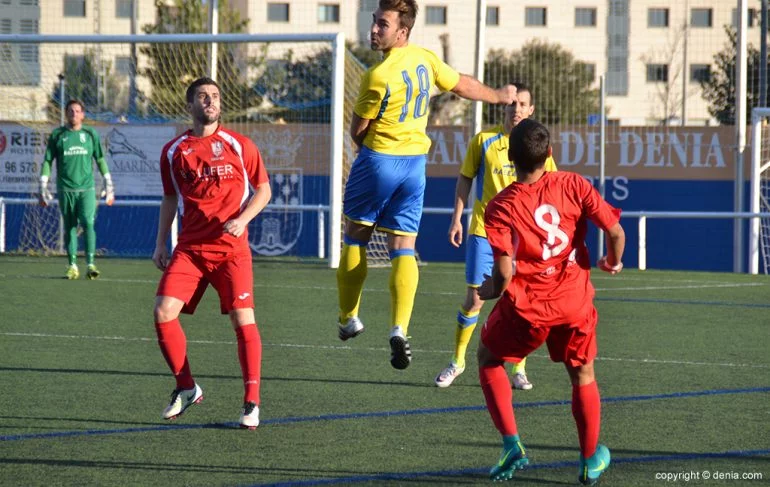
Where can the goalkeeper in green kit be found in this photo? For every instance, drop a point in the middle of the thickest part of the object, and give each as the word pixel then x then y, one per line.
pixel 75 147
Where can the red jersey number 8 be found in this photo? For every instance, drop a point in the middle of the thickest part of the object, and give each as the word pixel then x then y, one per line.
pixel 556 239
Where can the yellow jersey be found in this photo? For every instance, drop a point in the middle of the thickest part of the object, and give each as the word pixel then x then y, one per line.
pixel 395 95
pixel 487 161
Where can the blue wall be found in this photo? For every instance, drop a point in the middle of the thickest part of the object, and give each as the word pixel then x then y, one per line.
pixel 680 244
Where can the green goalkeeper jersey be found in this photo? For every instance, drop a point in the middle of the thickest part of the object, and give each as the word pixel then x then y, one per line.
pixel 75 152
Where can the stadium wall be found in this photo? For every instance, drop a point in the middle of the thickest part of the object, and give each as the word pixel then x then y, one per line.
pixel 648 169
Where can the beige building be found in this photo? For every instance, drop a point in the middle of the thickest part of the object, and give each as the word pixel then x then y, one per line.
pixel 653 52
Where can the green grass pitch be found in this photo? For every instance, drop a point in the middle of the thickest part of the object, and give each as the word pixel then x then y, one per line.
pixel 683 369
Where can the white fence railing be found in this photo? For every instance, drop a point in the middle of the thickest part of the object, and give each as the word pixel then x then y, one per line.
pixel 753 250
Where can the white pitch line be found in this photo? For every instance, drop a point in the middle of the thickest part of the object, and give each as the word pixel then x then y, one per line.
pixel 714 285
pixel 372 349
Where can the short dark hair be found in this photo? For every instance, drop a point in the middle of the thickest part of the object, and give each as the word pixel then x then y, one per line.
pixel 74 101
pixel 199 82
pixel 521 87
pixel 528 146
pixel 407 12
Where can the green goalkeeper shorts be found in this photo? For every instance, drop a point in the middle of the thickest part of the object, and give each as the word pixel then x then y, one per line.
pixel 78 206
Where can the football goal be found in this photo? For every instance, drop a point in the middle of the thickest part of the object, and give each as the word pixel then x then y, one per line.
pixel 759 228
pixel 292 94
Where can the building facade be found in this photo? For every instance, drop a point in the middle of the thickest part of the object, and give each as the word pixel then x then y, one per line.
pixel 653 54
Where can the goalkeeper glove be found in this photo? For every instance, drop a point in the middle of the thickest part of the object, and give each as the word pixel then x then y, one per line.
pixel 108 192
pixel 45 196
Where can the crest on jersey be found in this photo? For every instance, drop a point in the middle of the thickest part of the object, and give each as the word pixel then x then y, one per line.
pixel 277 230
pixel 82 138
pixel 217 148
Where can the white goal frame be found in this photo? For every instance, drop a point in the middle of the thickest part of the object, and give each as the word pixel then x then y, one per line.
pixel 337 43
pixel 758 166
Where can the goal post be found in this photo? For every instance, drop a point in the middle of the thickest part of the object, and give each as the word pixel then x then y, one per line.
pixel 287 92
pixel 759 228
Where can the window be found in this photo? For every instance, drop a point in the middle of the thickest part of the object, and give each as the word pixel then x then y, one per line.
pixel 5 2
pixel 329 13
pixel 752 21
pixel 277 12
pixel 702 17
pixel 657 73
pixel 124 9
pixel 535 16
pixel 657 17
pixel 123 65
pixel 700 73
pixel 493 15
pixel 74 8
pixel 618 8
pixel 28 52
pixel 26 3
pixel 590 70
pixel 585 17
pixel 435 15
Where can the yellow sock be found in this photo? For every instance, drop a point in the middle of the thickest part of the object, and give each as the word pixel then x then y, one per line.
pixel 403 286
pixel 351 275
pixel 466 323
pixel 520 366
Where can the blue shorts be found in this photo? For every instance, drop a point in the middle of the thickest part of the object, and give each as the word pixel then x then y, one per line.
pixel 386 191
pixel 478 260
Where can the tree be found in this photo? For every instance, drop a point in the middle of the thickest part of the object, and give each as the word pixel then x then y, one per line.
pixel 298 89
pixel 669 89
pixel 561 84
pixel 172 67
pixel 82 78
pixel 719 89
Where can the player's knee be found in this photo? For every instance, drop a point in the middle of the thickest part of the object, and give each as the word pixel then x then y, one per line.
pixel 485 357
pixel 165 311
pixel 581 375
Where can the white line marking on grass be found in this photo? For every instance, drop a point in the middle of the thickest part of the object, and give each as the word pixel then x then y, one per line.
pixel 368 349
pixel 688 286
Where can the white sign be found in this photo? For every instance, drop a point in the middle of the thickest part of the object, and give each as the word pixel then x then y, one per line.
pixel 132 154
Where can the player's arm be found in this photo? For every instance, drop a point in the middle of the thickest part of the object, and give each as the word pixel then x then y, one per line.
pixel 108 190
pixel 472 89
pixel 462 190
pixel 500 235
pixel 44 196
pixel 258 201
pixel 502 273
pixel 166 216
pixel 358 128
pixel 616 244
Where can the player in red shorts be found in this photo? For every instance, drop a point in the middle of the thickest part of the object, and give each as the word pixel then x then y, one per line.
pixel 209 170
pixel 537 227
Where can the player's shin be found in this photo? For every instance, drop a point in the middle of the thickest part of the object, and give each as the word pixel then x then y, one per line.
pixel 586 409
pixel 404 277
pixel 250 358
pixel 351 275
pixel 466 323
pixel 173 345
pixel 499 397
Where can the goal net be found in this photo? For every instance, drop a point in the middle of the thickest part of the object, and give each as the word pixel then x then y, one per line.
pixel 289 93
pixel 759 228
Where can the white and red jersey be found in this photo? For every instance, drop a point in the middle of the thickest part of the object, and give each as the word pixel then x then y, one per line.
pixel 211 177
pixel 542 226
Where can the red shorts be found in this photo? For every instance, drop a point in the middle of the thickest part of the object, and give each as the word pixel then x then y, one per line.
pixel 511 338
pixel 190 272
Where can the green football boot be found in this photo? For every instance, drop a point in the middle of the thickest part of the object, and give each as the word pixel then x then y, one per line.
pixel 512 459
pixel 72 272
pixel 93 272
pixel 593 467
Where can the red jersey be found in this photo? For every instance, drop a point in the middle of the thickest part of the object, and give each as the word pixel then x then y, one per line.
pixel 542 226
pixel 211 176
